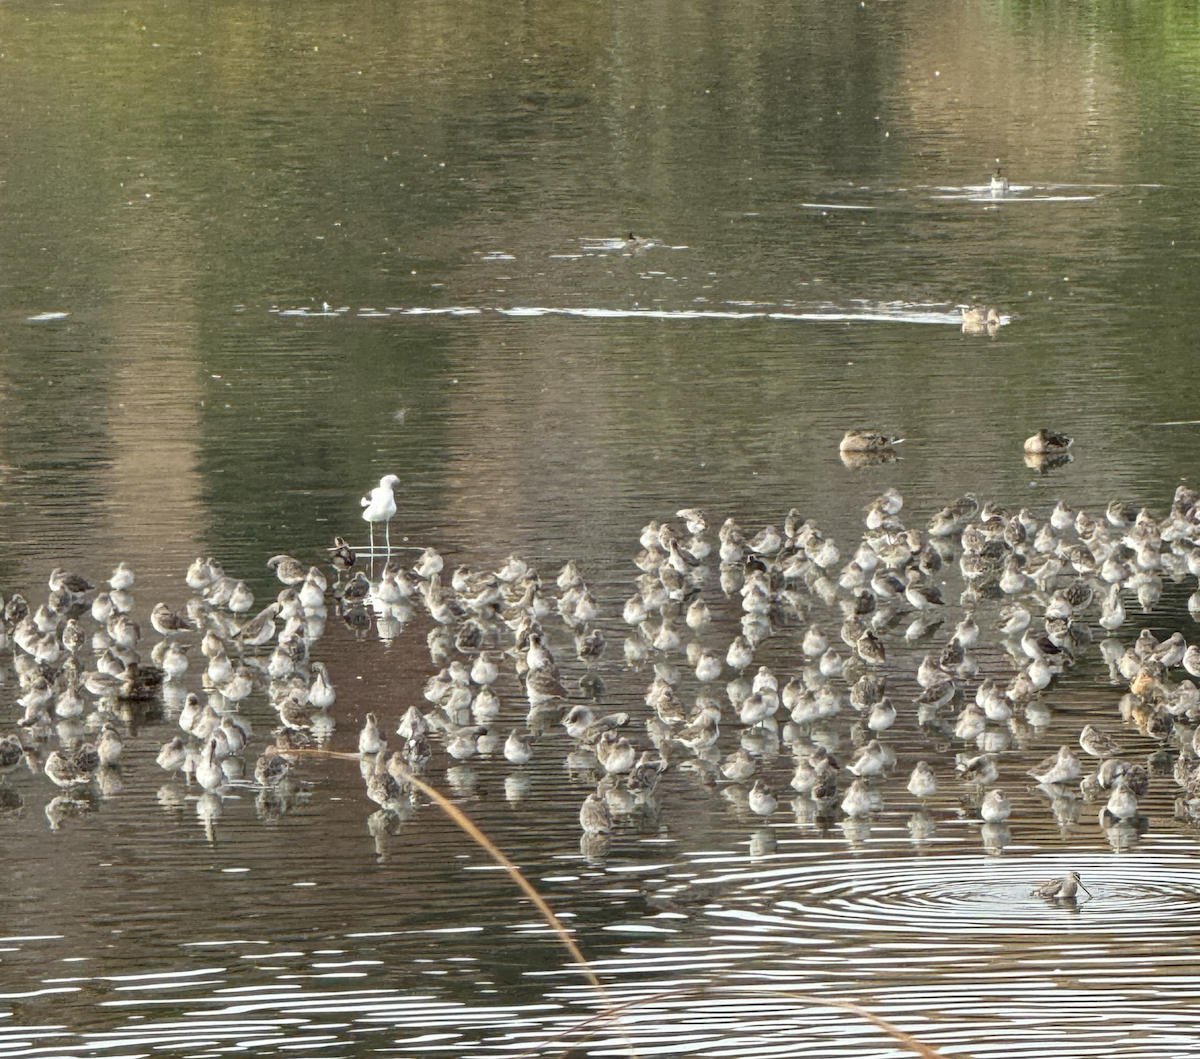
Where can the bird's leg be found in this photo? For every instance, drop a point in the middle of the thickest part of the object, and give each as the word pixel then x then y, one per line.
pixel 387 535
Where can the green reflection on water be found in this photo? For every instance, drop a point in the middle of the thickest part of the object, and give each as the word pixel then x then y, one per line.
pixel 166 165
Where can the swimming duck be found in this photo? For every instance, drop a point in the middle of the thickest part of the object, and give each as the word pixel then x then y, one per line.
pixel 979 319
pixel 1048 442
pixel 867 441
pixel 1045 463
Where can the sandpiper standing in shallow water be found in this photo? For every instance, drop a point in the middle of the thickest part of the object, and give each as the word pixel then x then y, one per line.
pixel 1063 889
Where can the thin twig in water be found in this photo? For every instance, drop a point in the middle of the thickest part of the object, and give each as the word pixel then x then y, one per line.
pixel 612 1010
pixel 486 844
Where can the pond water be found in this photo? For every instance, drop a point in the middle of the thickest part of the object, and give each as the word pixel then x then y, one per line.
pixel 566 270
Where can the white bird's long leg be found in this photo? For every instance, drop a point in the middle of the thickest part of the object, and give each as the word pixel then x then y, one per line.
pixel 387 535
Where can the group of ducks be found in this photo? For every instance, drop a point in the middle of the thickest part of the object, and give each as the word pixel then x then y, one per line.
pixel 1044 450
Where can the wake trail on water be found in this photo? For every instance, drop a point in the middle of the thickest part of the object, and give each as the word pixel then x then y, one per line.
pixel 831 314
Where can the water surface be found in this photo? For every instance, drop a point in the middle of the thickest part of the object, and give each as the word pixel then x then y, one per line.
pixel 185 191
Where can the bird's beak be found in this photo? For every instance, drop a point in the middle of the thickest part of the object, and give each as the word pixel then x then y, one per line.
pixel 1085 890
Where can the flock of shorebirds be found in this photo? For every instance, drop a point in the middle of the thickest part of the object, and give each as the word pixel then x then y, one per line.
pixel 763 640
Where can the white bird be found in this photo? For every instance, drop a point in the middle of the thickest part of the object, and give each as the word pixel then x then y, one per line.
pixel 923 783
pixel 208 768
pixel 517 747
pixel 860 800
pixel 996 807
pixel 761 800
pixel 380 506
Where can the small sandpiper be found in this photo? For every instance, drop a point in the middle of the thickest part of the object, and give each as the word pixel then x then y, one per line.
pixel 1063 889
pixel 1097 743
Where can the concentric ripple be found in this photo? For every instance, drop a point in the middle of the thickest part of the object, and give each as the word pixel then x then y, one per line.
pixel 973 896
